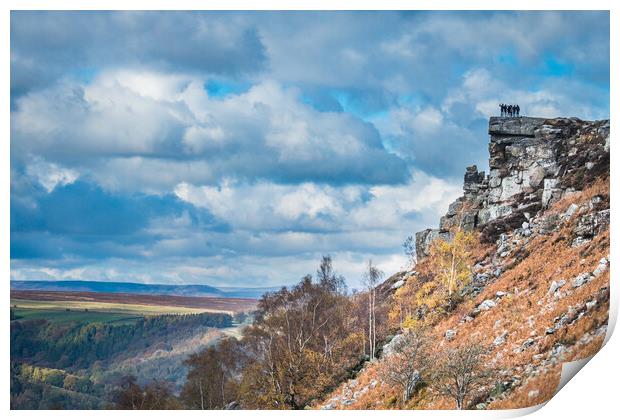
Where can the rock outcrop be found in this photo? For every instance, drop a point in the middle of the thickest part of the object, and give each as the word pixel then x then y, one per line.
pixel 533 163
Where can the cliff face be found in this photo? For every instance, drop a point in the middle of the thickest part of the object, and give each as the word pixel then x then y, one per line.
pixel 539 290
pixel 533 162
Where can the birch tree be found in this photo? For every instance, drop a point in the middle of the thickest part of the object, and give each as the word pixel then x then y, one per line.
pixel 451 262
pixel 372 278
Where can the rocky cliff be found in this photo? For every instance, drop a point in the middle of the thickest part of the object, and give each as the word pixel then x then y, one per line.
pixel 538 295
pixel 533 162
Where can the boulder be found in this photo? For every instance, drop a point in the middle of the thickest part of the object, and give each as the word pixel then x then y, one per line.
pixel 555 286
pixel 591 224
pixel 233 405
pixel 392 346
pixel 486 305
pixel 581 279
pixel 500 339
pixel 425 238
pixel 601 267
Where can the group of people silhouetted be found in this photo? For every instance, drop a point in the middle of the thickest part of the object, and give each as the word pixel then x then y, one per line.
pixel 509 110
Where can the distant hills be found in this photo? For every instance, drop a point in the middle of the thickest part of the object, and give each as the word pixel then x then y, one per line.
pixel 140 288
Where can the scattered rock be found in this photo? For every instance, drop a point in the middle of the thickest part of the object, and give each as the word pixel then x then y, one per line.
pixel 392 345
pixel 527 343
pixel 579 241
pixel 398 284
pixel 486 305
pixel 450 334
pixel 601 267
pixel 555 286
pixel 581 279
pixel 500 339
pixel 557 350
pixel 570 211
pixel 591 224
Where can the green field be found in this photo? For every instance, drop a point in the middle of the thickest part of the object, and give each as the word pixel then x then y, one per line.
pixel 59 316
pixel 67 311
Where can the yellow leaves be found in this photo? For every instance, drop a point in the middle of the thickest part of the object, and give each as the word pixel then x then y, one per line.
pixel 451 261
pixel 411 324
pixel 424 294
pixel 418 303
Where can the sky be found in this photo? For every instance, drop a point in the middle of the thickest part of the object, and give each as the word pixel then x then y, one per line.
pixel 237 148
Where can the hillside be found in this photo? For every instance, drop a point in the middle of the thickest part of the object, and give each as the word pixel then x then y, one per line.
pixel 193 290
pixel 536 293
pixel 512 283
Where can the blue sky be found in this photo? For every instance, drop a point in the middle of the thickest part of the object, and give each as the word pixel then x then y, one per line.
pixel 236 148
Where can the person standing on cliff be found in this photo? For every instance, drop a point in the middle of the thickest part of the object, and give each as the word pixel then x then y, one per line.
pixel 517 108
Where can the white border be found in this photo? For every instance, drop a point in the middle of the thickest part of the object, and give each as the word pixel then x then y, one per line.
pixel 592 394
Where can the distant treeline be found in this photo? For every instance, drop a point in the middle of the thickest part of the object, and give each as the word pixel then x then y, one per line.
pixel 52 364
pixel 78 345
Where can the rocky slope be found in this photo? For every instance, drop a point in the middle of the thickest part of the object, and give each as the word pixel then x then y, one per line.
pixel 539 293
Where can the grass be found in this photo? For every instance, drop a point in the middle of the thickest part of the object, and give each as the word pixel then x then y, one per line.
pixel 525 313
pixel 67 311
pixel 61 316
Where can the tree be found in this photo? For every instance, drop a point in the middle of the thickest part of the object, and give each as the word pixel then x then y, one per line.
pixel 407 363
pixel 462 371
pixel 372 278
pixel 451 261
pixel 410 252
pixel 211 382
pixel 297 346
pixel 155 396
pixel 303 341
pixel 328 278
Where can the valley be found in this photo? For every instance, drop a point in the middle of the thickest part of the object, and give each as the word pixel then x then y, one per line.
pixel 101 341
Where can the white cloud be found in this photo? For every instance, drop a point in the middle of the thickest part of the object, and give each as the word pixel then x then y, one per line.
pixel 483 91
pixel 168 123
pixel 266 206
pixel 50 175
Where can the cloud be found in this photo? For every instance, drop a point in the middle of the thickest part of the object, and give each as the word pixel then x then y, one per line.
pixel 46 46
pixel 237 147
pixel 313 207
pixel 483 91
pixel 169 124
pixel 80 220
pixel 421 133
pixel 51 175
pixel 388 54
pixel 235 227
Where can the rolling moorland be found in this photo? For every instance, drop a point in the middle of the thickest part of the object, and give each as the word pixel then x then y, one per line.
pixel 193 290
pixel 513 282
pixel 75 350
